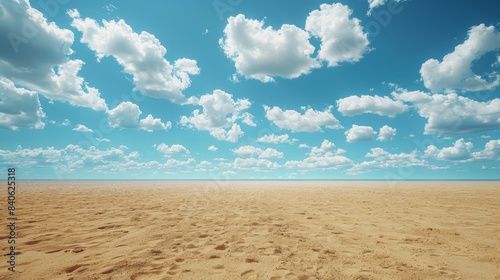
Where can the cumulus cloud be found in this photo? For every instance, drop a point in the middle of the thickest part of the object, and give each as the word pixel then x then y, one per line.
pixel 461 151
pixel 310 121
pixel 382 106
pixel 324 157
pixel 451 114
pixel 271 153
pixel 212 148
pixel 254 164
pixel 491 151
pixel 70 158
pixel 342 37
pixel 74 159
pixel 262 53
pixel 19 107
pixel 35 56
pixel 174 149
pixel 377 3
pixel 381 159
pixel 360 133
pixel 274 139
pixel 454 71
pixel 82 128
pixel 141 55
pixel 219 115
pixel 326 146
pixel 386 133
pixel 126 115
pixel 249 151
pixel 176 163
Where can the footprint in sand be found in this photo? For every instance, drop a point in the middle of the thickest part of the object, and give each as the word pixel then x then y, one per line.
pixel 33 242
pixel 174 270
pixel 108 271
pixel 78 250
pixel 73 268
pixel 219 269
pixel 249 274
pixel 221 247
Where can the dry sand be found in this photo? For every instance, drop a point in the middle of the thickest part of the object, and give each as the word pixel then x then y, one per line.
pixel 255 230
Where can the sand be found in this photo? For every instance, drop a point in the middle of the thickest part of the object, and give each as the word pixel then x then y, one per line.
pixel 255 230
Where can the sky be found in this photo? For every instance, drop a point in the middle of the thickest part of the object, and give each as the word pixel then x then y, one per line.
pixel 238 89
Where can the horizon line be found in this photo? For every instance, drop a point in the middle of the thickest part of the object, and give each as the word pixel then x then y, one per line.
pixel 284 180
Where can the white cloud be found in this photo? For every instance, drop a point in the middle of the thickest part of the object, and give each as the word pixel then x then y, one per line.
pixel 310 121
pixel 212 148
pixel 386 133
pixel 461 151
pixel 490 167
pixel 304 146
pixel 491 151
pixel 377 3
pixel 342 37
pixel 175 163
pixel 249 151
pixel 274 139
pixel 105 140
pixel 126 115
pixel 325 147
pixel 68 86
pixel 174 149
pixel 271 153
pixel 381 159
pixel 383 106
pixel 324 157
pixel 66 122
pixel 19 107
pixel 451 114
pixel 248 119
pixel 82 128
pixel 325 162
pixel 69 159
pixel 263 53
pixel 141 55
pixel 40 62
pixel 149 124
pixel 75 159
pixel 254 164
pixel 360 133
pixel 219 115
pixel 231 135
pixel 454 72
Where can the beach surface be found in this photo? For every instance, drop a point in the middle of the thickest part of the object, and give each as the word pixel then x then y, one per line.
pixel 254 230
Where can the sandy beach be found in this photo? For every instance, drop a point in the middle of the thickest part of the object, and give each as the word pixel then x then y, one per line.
pixel 255 230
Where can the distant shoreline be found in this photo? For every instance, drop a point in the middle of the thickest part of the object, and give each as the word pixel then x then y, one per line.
pixel 258 180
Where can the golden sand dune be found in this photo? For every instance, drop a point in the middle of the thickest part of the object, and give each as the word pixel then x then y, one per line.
pixel 256 230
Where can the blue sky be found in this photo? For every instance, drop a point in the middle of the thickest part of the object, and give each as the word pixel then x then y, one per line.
pixel 360 89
